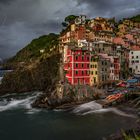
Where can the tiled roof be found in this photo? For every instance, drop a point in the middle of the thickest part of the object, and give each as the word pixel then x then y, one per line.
pixel 135 48
pixel 118 40
pixel 129 36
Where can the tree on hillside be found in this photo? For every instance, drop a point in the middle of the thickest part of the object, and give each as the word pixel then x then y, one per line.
pixel 136 18
pixel 69 19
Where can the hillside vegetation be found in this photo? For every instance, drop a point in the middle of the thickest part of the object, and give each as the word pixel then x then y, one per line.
pixel 136 18
pixel 48 43
pixel 33 70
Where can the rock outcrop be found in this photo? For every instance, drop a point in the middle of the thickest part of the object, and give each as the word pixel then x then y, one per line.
pixel 42 75
pixel 35 67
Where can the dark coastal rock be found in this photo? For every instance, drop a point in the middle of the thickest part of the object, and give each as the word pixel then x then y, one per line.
pixel 138 114
pixel 38 76
pixel 69 99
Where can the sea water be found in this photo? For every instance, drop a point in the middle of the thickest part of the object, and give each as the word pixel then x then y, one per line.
pixel 19 121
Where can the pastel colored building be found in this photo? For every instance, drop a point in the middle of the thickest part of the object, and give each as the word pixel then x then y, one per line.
pixel 94 77
pixel 109 67
pixel 134 60
pixel 103 36
pixel 80 19
pixel 122 29
pixel 100 23
pixel 123 54
pixel 103 68
pixel 103 47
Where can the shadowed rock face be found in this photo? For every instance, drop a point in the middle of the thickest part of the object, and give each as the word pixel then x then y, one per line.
pixel 32 68
pixel 39 77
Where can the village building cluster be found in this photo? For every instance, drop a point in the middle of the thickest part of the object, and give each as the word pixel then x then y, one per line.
pixel 98 50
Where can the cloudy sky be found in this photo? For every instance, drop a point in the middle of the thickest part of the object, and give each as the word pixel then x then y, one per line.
pixel 23 20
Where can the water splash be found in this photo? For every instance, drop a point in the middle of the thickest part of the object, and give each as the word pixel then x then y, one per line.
pixel 10 102
pixel 93 107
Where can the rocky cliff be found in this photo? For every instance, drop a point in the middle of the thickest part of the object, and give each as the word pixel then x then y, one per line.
pixel 35 66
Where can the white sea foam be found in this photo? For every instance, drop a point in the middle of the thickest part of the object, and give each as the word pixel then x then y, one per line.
pixel 0 79
pixel 58 110
pixel 14 103
pixel 93 107
pixel 33 111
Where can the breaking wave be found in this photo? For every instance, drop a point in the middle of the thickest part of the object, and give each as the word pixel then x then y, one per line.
pixel 10 102
pixel 93 107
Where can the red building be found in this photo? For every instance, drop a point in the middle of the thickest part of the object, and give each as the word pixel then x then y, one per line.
pixel 79 33
pixel 77 65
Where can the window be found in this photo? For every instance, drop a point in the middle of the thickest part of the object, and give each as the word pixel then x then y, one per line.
pixel 95 66
pixel 132 62
pixel 83 53
pixel 132 57
pixel 102 78
pixel 88 58
pixel 137 57
pixel 96 72
pixel 82 58
pixel 76 65
pixel 94 79
pixel 76 58
pixel 76 72
pixel 82 65
pixel 87 65
pixel 102 63
pixel 131 52
pixel 82 72
pixel 87 72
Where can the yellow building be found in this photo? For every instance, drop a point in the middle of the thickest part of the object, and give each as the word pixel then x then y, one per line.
pixel 73 27
pixel 137 24
pixel 122 29
pixel 94 70
pixel 129 23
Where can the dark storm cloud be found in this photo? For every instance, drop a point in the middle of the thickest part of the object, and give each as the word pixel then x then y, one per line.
pixel 110 8
pixel 23 20
pixel 5 1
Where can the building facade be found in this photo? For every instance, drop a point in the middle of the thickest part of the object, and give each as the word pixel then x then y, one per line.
pixel 77 65
pixel 134 60
pixel 94 77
